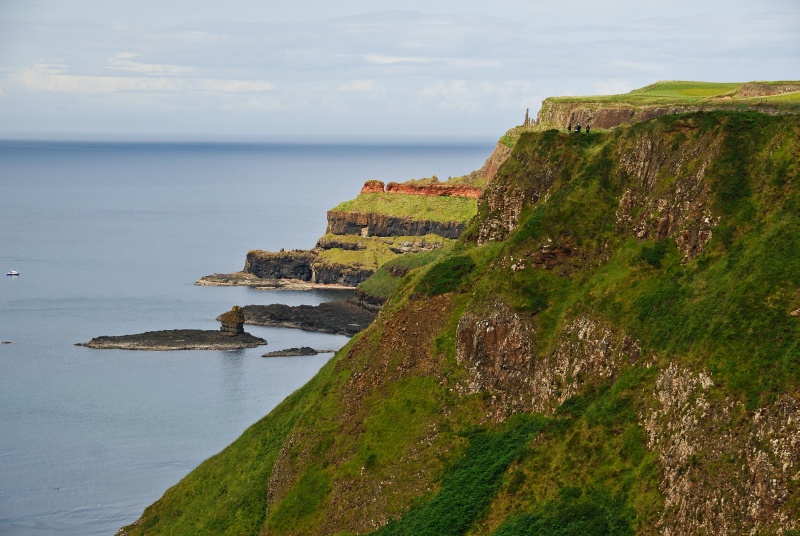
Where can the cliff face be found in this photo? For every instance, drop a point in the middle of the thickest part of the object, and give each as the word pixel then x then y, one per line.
pixel 435 190
pixel 372 224
pixel 611 348
pixel 357 242
pixel 305 265
pixel 280 265
pixel 430 190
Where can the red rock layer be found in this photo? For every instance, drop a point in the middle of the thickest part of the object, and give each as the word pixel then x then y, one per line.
pixel 372 187
pixel 434 190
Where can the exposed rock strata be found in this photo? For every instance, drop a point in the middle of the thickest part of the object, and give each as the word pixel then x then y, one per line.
pixel 304 266
pixel 559 114
pixel 232 321
pixel 371 224
pixel 505 199
pixel 412 244
pixel 494 345
pixel 373 187
pixel 725 470
pixel 280 265
pixel 343 318
pixel 249 280
pixel 647 210
pixel 435 190
pixel 492 165
pixel 682 212
pixel 757 89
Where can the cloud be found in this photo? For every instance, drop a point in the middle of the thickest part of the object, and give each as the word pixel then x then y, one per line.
pixel 478 96
pixel 232 86
pixel 387 60
pixel 123 61
pixel 363 86
pixel 255 103
pixel 54 77
pixel 612 86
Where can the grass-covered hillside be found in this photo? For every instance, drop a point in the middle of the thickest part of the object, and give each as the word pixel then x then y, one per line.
pixel 612 347
pixel 419 207
pixel 666 98
pixel 687 92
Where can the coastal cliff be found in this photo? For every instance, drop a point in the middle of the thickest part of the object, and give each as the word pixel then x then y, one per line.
pixel 609 347
pixel 668 98
pixel 362 234
pixel 372 224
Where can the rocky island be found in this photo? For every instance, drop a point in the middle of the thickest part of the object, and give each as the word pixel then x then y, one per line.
pixel 296 352
pixel 231 336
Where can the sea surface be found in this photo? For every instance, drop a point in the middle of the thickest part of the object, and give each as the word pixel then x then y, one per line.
pixel 109 238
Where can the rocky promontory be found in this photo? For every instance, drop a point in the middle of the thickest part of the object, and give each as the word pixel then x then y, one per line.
pixel 231 336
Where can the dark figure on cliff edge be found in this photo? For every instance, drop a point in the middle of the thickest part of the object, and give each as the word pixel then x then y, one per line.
pixel 569 127
pixel 578 128
pixel 587 128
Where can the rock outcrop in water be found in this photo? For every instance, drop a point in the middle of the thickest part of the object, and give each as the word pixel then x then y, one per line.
pixel 177 339
pixel 231 336
pixel 232 321
pixel 342 318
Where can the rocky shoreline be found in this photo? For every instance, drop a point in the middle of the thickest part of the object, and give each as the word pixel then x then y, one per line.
pixel 177 339
pixel 340 318
pixel 249 280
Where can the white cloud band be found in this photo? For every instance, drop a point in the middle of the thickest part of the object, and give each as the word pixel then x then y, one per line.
pixel 51 77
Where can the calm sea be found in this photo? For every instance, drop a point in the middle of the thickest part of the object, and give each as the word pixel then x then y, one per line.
pixel 109 239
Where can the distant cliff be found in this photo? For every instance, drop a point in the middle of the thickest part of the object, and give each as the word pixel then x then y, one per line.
pixel 373 224
pixel 668 98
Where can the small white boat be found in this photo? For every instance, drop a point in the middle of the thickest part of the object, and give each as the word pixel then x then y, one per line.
pixel 13 272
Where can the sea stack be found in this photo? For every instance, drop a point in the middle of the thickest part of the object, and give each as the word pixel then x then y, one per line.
pixel 232 321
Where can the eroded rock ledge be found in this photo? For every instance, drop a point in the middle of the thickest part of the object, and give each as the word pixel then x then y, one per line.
pixel 372 224
pixel 177 339
pixel 341 318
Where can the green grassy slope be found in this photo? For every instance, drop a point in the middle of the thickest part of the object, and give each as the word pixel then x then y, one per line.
pixel 443 209
pixel 687 92
pixel 390 438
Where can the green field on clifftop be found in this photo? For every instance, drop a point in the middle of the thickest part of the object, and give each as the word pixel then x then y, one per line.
pixel 418 207
pixel 688 92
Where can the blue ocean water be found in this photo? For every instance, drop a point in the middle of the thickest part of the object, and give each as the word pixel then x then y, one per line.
pixel 109 239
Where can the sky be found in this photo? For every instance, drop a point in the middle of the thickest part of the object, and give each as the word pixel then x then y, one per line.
pixel 359 69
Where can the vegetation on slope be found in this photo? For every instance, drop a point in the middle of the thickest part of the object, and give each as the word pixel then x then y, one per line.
pixel 393 437
pixel 686 92
pixel 385 281
pixel 441 209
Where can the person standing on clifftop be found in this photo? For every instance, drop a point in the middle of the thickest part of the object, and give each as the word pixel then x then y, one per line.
pixel 569 127
pixel 587 128
pixel 578 128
